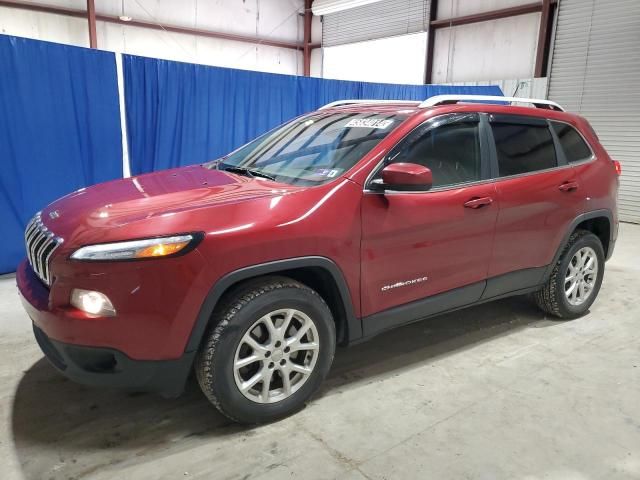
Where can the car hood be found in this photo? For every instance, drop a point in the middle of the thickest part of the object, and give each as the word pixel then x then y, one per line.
pixel 99 211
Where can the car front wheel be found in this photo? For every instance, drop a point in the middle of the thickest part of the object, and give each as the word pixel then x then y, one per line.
pixel 272 345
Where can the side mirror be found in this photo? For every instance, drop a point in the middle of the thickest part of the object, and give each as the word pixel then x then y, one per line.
pixel 405 176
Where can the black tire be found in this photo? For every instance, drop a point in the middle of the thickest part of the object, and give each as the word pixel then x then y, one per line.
pixel 214 364
pixel 551 298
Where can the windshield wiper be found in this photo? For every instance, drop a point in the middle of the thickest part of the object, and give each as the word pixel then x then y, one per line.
pixel 251 172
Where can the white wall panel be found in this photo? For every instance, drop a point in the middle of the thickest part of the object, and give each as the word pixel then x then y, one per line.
pixel 518 87
pixel 504 48
pixel 316 53
pixel 276 19
pixel 459 8
pixel 194 49
pixel 390 60
pixel 317 59
pixel 54 28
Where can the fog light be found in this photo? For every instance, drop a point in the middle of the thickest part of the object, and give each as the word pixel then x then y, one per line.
pixel 95 303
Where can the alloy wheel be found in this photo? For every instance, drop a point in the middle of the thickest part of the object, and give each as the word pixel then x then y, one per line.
pixel 581 275
pixel 276 356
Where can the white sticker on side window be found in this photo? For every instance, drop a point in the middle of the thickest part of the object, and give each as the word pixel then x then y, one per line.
pixel 368 123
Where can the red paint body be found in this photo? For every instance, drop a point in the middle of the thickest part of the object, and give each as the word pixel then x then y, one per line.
pixel 374 239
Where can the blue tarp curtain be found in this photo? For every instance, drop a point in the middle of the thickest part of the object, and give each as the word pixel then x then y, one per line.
pixel 59 130
pixel 181 113
pixel 60 122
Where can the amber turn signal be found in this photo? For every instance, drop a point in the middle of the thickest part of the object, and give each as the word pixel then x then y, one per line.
pixel 161 250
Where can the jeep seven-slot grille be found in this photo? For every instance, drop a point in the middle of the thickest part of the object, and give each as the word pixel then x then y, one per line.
pixel 40 243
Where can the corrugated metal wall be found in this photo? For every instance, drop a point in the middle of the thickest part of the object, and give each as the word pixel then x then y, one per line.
pixel 595 71
pixel 378 20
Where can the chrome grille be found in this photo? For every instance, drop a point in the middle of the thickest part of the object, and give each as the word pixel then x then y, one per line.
pixel 40 243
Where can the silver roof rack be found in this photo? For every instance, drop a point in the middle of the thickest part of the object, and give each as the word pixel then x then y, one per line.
pixel 339 103
pixel 448 99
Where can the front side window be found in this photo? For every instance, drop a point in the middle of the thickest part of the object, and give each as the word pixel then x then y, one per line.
pixel 523 148
pixel 451 151
pixel 313 149
pixel 575 148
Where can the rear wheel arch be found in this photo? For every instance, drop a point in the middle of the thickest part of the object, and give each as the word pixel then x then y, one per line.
pixel 600 226
pixel 318 273
pixel 598 222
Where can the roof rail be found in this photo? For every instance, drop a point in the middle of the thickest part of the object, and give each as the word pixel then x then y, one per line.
pixel 339 103
pixel 448 99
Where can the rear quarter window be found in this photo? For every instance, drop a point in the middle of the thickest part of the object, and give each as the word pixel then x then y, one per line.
pixel 574 147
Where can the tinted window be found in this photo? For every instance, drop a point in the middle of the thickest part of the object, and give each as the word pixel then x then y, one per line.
pixel 575 148
pixel 451 151
pixel 523 148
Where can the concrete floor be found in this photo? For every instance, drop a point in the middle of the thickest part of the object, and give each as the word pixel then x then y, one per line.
pixel 492 392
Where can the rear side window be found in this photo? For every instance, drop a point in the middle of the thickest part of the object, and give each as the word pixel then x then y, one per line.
pixel 575 148
pixel 523 148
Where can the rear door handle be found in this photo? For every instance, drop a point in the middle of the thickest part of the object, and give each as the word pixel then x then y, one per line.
pixel 478 202
pixel 568 186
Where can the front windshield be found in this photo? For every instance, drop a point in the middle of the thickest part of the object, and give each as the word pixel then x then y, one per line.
pixel 311 150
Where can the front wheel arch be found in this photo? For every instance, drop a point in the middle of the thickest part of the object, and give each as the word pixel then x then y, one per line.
pixel 313 271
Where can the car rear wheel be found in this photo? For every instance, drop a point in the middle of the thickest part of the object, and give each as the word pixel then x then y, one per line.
pixel 576 278
pixel 272 345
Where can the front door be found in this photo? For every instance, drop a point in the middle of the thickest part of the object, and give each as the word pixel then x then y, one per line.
pixel 419 244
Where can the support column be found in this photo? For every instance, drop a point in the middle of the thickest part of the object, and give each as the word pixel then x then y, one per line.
pixel 306 50
pixel 91 18
pixel 431 37
pixel 544 34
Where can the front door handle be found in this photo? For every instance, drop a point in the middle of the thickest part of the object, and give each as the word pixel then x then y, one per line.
pixel 568 187
pixel 478 202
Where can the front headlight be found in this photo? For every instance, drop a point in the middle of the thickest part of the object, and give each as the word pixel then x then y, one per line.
pixel 138 249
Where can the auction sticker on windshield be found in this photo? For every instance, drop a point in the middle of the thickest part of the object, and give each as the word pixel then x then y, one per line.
pixel 368 123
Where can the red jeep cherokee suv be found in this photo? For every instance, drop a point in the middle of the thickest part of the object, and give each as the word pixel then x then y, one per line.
pixel 337 226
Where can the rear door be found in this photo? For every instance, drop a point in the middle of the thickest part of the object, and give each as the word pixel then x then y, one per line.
pixel 538 192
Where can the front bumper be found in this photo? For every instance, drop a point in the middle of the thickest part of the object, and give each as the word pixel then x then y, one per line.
pixel 104 367
pixel 156 303
pixel 87 350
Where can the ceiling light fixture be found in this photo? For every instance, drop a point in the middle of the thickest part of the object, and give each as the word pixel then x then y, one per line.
pixel 123 17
